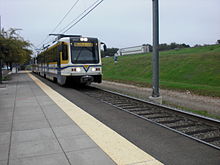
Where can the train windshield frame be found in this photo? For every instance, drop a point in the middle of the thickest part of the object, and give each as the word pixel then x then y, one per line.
pixel 84 52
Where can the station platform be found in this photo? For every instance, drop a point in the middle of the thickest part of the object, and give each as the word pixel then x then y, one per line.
pixel 38 126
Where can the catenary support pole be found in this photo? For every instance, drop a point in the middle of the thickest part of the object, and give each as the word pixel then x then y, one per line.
pixel 1 76
pixel 0 53
pixel 155 56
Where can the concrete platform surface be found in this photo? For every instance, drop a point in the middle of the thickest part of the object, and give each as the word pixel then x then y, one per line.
pixel 34 130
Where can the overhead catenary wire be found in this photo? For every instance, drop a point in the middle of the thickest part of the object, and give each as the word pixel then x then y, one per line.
pixel 59 22
pixel 42 41
pixel 89 9
pixel 65 16
pixel 77 19
pixel 80 15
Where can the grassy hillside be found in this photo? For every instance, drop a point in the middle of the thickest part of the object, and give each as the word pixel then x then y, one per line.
pixel 193 69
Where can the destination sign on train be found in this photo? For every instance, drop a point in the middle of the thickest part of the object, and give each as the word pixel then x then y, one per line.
pixel 83 44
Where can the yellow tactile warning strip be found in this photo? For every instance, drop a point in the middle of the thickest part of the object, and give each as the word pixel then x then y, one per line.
pixel 114 145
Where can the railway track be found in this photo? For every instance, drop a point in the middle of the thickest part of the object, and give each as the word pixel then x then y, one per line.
pixel 202 129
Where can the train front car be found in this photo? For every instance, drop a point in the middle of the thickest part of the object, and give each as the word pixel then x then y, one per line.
pixel 84 61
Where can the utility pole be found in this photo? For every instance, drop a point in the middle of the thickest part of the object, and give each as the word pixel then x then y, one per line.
pixel 155 57
pixel 0 52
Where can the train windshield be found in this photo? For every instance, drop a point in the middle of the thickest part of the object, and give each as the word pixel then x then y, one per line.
pixel 84 52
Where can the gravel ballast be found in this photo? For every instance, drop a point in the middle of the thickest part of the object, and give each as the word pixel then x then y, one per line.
pixel 185 100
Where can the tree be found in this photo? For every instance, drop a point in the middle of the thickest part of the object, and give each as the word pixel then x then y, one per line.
pixel 173 45
pixel 110 52
pixel 14 49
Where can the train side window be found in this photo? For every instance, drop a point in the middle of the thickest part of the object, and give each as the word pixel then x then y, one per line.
pixel 47 56
pixel 64 53
pixel 53 55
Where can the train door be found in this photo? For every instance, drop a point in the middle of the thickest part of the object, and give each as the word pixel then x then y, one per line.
pixel 59 63
pixel 44 66
pixel 59 60
pixel 60 79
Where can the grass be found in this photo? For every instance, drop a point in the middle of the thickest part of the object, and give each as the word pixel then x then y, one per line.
pixel 194 69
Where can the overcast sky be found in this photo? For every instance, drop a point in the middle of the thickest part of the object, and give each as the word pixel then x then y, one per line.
pixel 119 23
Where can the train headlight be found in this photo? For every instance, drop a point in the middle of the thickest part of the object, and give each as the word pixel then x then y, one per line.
pixel 78 69
pixel 84 39
pixel 96 69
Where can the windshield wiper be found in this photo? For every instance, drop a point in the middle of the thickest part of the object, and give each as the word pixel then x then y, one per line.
pixel 78 55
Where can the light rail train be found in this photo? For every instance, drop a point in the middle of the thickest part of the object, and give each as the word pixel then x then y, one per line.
pixel 71 58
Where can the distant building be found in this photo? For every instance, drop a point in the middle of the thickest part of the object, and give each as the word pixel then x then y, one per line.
pixel 133 50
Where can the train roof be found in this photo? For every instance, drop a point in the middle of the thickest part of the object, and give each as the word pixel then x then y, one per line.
pixel 64 35
pixel 67 38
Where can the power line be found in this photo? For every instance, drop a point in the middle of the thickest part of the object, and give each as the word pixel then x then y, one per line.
pixel 90 10
pixel 78 16
pixel 77 19
pixel 43 41
pixel 65 16
pixel 59 22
